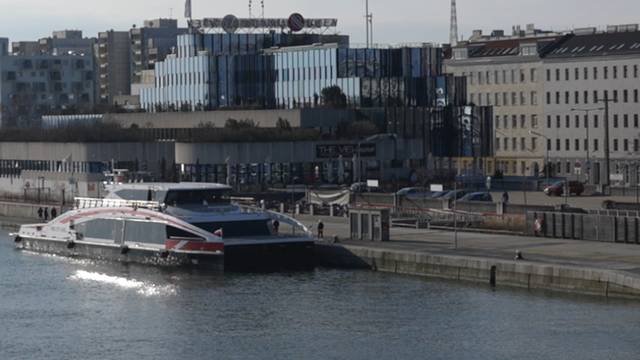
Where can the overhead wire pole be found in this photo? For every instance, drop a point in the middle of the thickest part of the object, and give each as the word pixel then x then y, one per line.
pixel 607 148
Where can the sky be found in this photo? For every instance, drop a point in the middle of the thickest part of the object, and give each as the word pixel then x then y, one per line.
pixel 395 21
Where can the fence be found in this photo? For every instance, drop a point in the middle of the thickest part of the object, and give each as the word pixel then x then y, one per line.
pixel 604 227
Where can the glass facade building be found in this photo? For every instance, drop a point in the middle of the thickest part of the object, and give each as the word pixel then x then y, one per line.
pixel 368 77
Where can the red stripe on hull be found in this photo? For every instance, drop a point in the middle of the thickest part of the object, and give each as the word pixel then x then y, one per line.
pixel 193 245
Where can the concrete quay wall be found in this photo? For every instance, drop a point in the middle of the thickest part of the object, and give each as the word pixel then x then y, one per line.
pixel 23 210
pixel 496 272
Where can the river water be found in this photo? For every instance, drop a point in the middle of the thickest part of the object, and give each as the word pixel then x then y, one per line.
pixel 59 308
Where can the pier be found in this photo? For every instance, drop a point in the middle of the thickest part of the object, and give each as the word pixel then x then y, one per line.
pixel 580 267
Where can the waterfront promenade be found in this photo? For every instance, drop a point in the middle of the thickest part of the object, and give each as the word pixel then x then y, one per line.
pixel 608 269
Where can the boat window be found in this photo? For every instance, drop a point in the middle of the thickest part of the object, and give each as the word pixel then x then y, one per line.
pixel 197 197
pixel 238 228
pixel 145 232
pixel 131 194
pixel 175 233
pixel 101 229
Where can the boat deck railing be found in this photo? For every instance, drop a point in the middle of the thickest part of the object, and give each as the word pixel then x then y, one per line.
pixel 88 203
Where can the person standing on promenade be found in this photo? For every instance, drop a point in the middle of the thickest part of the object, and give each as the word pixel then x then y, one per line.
pixel 54 213
pixel 46 214
pixel 320 229
pixel 40 212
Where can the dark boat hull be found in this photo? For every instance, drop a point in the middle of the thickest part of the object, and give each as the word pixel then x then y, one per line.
pixel 270 257
pixel 104 252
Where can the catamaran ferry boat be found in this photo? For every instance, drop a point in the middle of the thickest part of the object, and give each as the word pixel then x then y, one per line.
pixel 170 224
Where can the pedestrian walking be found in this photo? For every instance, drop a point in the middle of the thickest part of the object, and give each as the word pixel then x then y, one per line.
pixel 46 214
pixel 276 226
pixel 505 197
pixel 40 212
pixel 320 229
pixel 54 213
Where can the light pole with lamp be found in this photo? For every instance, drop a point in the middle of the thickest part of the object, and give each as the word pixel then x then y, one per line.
pixel 587 112
pixel 547 166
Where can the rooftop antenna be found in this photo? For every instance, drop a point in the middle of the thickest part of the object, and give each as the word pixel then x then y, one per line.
pixel 250 9
pixel 262 9
pixel 453 32
pixel 368 23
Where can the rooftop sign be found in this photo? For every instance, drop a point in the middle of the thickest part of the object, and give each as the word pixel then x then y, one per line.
pixel 231 23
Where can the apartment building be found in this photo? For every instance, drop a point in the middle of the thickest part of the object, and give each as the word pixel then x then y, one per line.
pixel 113 56
pixel 506 72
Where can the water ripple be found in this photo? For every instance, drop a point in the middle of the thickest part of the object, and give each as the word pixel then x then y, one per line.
pixel 141 287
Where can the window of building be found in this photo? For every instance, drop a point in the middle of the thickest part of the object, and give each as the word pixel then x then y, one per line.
pixel 534 98
pixel 567 145
pixel 548 121
pixel 615 72
pixel 625 145
pixel 586 97
pixel 533 74
pixel 523 146
pixel 514 121
pixel 522 76
pixel 635 96
pixel 497 143
pixel 615 145
pixel 497 121
pixel 625 120
pixel 577 120
pixel 488 74
pixel 549 145
pixel 506 121
pixel 567 121
pixel 534 121
pixel 586 73
pixel 534 144
pixel 497 99
pixel 473 99
pixel 577 74
pixel 566 98
pixel 548 98
pixel 480 78
pixel 557 74
pixel 523 99
pixel 625 71
pixel 595 145
pixel 496 77
pixel 505 99
pixel 514 99
pixel 471 77
pixel 606 72
pixel 566 74
pixel 635 121
pixel 557 144
pixel 586 121
pixel 568 165
pixel 549 75
pixel 635 71
pixel 595 97
pixel 615 96
pixel 576 96
pixel 595 121
pixel 586 145
pixel 625 96
pixel 513 76
pixel 558 121
pixel 514 144
pixel 557 98
pixel 636 145
pixel 577 144
pixel 523 121
pixel 615 121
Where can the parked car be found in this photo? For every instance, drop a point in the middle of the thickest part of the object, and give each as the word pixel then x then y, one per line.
pixel 478 196
pixel 455 195
pixel 557 189
pixel 414 192
pixel 439 194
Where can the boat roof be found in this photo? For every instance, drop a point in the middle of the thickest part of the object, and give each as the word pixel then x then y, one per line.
pixel 171 186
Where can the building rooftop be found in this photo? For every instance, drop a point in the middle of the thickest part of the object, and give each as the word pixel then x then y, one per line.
pixel 597 44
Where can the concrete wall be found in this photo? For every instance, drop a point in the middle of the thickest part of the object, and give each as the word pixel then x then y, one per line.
pixel 494 272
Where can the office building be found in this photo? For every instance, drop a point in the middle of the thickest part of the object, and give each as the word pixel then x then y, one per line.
pixel 152 43
pixel 114 66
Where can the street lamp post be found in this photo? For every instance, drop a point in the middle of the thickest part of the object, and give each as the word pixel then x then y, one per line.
pixel 587 164
pixel 547 165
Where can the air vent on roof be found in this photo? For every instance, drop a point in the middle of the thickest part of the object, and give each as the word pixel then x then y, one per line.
pixel 585 31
